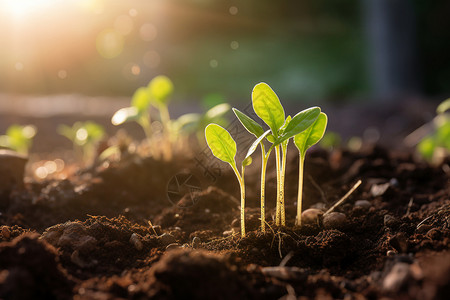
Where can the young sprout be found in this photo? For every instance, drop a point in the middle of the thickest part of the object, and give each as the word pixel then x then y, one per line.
pixel 138 112
pixel 18 138
pixel 303 141
pixel 224 148
pixel 268 107
pixel 84 136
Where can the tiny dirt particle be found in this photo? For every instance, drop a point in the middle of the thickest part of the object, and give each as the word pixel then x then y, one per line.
pixel 196 242
pixel 6 232
pixel 135 240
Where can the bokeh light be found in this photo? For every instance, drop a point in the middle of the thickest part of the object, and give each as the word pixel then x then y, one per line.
pixel 110 43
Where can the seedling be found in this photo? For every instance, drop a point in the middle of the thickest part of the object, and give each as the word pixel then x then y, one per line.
pixel 138 112
pixel 303 141
pixel 224 148
pixel 436 144
pixel 84 137
pixel 268 107
pixel 196 123
pixel 18 138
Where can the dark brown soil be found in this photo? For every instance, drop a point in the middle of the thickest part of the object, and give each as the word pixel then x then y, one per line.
pixel 88 237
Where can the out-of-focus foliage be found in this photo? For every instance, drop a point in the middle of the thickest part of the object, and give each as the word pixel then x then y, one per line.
pixel 85 137
pixel 437 144
pixel 18 138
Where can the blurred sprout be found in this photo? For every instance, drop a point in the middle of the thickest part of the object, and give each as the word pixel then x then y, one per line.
pixel 160 89
pixel 436 145
pixel 196 123
pixel 18 138
pixel 85 137
pixel 330 140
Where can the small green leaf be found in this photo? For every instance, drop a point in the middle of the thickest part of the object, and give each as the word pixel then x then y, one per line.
pixel 443 107
pixel 160 88
pixel 426 147
pixel 311 136
pixel 217 111
pixel 221 143
pixel 125 115
pixel 247 161
pixel 255 144
pixel 299 123
pixel 141 99
pixel 268 107
pixel 252 126
pixel 286 123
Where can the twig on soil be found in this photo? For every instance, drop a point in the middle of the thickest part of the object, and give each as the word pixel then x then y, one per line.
pixel 343 198
pixel 151 226
pixel 410 203
pixel 322 193
pixel 286 259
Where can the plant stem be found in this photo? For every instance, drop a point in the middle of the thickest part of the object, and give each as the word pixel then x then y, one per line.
pixel 242 186
pixel 264 158
pixel 165 119
pixel 298 220
pixel 283 172
pixel 146 124
pixel 278 208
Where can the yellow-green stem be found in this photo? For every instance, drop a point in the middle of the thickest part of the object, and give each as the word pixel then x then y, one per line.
pixel 242 186
pixel 145 123
pixel 298 220
pixel 278 206
pixel 263 187
pixel 165 119
pixel 283 172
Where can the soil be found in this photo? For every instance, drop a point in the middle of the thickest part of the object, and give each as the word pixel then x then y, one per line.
pixel 89 236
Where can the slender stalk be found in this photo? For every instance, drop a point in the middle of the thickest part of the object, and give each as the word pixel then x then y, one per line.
pixel 242 186
pixel 165 119
pixel 145 123
pixel 278 206
pixel 264 158
pixel 283 172
pixel 298 220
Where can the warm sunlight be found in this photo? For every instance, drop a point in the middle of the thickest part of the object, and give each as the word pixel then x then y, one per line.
pixel 20 8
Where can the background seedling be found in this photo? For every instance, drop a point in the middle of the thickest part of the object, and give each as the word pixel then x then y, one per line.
pixel 84 137
pixel 224 148
pixel 18 138
pixel 303 141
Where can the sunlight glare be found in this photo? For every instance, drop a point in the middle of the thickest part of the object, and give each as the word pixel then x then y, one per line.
pixel 20 8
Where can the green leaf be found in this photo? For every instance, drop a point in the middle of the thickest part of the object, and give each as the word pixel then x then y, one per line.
pixel 217 111
pixel 141 99
pixel 286 123
pixel 160 88
pixel 126 114
pixel 426 147
pixel 251 125
pixel 247 161
pixel 221 143
pixel 443 107
pixel 311 136
pixel 268 107
pixel 255 144
pixel 299 123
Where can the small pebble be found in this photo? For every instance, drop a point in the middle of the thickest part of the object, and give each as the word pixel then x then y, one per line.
pixel 379 189
pixel 207 210
pixel 391 253
pixel 173 246
pixel 135 240
pixel 311 216
pixel 227 233
pixel 6 232
pixel 334 220
pixel 167 238
pixel 196 242
pixel 363 204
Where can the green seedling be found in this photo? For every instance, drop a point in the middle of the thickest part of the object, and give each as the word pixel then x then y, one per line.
pixel 223 147
pixel 84 137
pixel 268 107
pixel 138 111
pixel 303 141
pixel 436 144
pixel 18 138
pixel 196 123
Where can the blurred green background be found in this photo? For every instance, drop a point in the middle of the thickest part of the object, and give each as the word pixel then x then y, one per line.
pixel 314 49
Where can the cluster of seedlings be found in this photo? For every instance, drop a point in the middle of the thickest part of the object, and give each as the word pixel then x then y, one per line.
pixel 306 128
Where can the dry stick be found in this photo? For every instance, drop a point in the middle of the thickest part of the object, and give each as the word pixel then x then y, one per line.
pixel 343 198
